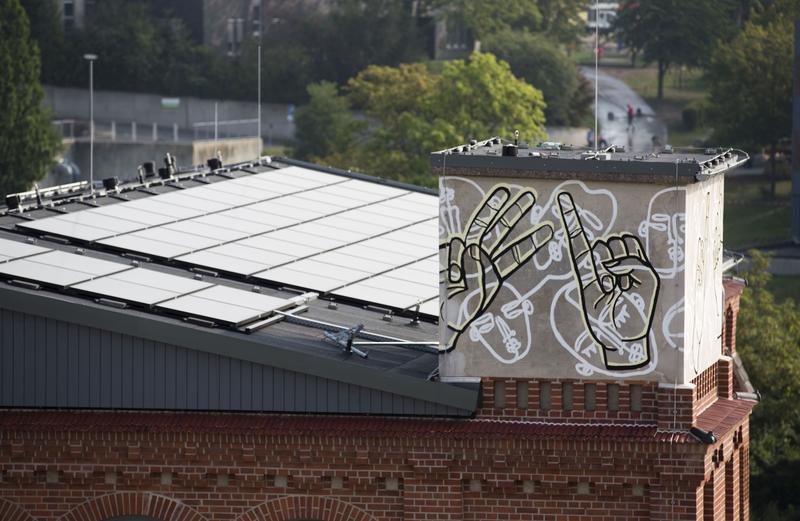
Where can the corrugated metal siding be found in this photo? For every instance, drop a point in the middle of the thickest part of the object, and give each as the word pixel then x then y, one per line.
pixel 50 363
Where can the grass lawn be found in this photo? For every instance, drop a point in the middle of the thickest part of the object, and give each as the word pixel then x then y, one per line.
pixel 752 218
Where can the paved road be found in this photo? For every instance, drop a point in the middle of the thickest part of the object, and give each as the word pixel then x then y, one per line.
pixel 613 97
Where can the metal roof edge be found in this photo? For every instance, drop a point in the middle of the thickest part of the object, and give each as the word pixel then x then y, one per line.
pixel 564 168
pixel 233 345
pixel 357 175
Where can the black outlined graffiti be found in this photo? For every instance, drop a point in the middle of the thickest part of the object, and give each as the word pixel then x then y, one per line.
pixel 496 242
pixel 612 274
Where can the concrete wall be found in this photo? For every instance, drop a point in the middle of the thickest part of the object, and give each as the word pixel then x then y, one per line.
pixel 146 109
pixel 121 159
pixel 530 302
pixel 705 296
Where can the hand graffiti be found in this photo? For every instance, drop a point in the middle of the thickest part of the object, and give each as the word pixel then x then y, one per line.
pixel 618 288
pixel 497 241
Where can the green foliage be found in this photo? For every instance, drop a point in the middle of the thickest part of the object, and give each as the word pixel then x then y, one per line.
pixel 750 97
pixel 768 335
pixel 325 126
pixel 561 20
pixel 485 18
pixel 672 32
pixel 28 143
pixel 537 60
pixel 419 112
pixel 141 50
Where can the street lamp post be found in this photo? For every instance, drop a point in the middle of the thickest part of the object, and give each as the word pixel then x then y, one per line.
pixel 91 58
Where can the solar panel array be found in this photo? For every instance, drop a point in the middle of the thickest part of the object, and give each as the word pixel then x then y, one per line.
pixel 133 285
pixel 292 226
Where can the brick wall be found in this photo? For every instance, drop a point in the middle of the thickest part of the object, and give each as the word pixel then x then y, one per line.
pixel 97 474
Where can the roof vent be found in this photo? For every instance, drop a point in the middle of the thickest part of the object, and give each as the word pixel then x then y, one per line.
pixel 214 163
pixel 149 168
pixel 110 183
pixel 164 172
pixel 510 150
pixel 13 201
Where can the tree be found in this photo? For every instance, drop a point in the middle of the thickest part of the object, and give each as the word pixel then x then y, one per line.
pixel 561 20
pixel 325 126
pixel 538 61
pixel 671 32
pixel 485 18
pixel 750 95
pixel 768 335
pixel 417 112
pixel 28 143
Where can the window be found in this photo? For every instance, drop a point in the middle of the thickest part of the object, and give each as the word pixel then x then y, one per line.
pixel 499 394
pixel 544 396
pixel 612 395
pixel 636 397
pixel 522 395
pixel 590 396
pixel 566 396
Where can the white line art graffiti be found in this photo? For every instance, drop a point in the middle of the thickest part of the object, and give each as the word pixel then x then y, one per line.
pixel 512 324
pixel 672 325
pixel 495 243
pixel 496 299
pixel 591 357
pixel 618 288
pixel 664 226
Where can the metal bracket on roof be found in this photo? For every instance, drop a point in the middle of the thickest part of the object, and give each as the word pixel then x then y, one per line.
pixel 344 339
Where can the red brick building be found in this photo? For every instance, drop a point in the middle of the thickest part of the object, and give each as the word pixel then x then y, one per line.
pixel 119 412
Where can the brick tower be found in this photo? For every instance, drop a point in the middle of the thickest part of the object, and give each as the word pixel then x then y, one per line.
pixel 587 290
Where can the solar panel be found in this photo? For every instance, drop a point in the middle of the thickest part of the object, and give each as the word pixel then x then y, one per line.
pixel 124 211
pixel 219 261
pixel 430 307
pixel 141 286
pixel 208 231
pixel 146 246
pixel 300 279
pixel 290 226
pixel 226 305
pixel 10 250
pixel 59 268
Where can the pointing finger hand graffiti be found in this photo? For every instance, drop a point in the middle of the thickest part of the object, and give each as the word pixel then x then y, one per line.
pixel 617 285
pixel 497 241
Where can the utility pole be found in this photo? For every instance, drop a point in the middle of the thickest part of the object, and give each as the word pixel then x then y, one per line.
pixel 91 58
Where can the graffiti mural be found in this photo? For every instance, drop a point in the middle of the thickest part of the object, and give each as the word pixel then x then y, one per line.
pixel 562 274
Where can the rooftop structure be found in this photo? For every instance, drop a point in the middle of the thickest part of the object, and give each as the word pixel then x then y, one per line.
pixel 263 341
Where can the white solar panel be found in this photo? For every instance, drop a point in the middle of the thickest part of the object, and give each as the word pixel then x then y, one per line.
pixel 56 226
pixel 208 231
pixel 286 275
pixel 263 257
pixel 226 305
pixel 59 268
pixel 154 205
pixel 146 246
pixel 269 243
pixel 218 261
pixel 125 211
pixel 10 250
pixel 290 226
pixel 227 220
pixel 431 307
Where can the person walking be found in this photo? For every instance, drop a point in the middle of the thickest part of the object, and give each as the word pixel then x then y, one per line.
pixel 630 115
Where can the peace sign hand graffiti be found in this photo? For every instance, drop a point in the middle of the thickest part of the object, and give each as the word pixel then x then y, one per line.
pixel 618 288
pixel 497 241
